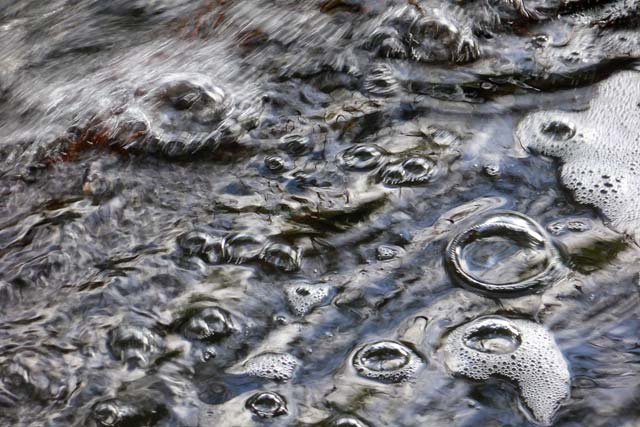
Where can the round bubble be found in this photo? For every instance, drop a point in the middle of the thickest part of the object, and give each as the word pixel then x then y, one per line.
pixel 415 170
pixel 281 256
pixel 386 361
pixel 267 405
pixel 207 324
pixel 239 248
pixel 503 254
pixel 362 157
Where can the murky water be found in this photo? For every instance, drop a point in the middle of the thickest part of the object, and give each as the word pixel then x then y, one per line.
pixel 319 213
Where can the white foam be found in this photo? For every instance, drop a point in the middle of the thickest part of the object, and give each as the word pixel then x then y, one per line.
pixel 532 360
pixel 273 366
pixel 599 149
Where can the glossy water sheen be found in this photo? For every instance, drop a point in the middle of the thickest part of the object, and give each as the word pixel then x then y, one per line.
pixel 237 213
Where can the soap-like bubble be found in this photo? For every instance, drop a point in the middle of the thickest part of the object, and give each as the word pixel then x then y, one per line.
pixel 239 248
pixel 519 350
pixel 503 254
pixel 386 361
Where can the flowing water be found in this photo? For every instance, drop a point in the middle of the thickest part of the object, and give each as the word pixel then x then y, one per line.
pixel 319 213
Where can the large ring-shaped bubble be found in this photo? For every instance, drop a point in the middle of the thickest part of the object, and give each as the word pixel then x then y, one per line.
pixel 476 257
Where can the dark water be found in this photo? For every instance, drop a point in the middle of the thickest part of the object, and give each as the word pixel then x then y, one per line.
pixel 318 213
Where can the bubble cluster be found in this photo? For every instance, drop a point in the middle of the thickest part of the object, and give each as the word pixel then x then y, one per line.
pixel 388 252
pixel 386 361
pixel 178 115
pixel 413 171
pixel 267 405
pixel 303 297
pixel 503 254
pixel 597 148
pixel 273 366
pixel 423 33
pixel 518 350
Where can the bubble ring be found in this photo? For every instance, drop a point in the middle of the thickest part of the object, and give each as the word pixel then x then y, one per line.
pixel 504 223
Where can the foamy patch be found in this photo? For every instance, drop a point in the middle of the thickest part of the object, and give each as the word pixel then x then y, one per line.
pixel 598 149
pixel 519 350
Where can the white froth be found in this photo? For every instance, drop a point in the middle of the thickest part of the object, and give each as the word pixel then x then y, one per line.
pixel 599 149
pixel 273 366
pixel 302 298
pixel 536 366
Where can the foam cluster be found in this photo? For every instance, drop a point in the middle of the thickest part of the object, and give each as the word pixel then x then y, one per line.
pixel 273 366
pixel 519 350
pixel 598 149
pixel 302 297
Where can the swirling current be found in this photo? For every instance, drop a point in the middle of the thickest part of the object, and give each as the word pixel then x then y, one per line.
pixel 331 213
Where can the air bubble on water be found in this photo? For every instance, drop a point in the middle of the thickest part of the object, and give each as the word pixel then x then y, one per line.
pixel 503 254
pixel 275 164
pixel 239 248
pixel 386 361
pixel 519 350
pixel 207 324
pixel 281 256
pixel 415 170
pixel 134 345
pixel 296 144
pixel 303 297
pixel 273 366
pixel 362 157
pixel 267 405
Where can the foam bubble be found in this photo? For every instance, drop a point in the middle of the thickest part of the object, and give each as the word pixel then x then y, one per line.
pixel 519 350
pixel 302 297
pixel 267 405
pixel 598 149
pixel 386 361
pixel 273 366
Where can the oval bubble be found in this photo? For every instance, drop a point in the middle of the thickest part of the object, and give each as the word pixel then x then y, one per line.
pixel 239 248
pixel 492 335
pixel 413 171
pixel 386 361
pixel 267 405
pixel 207 324
pixel 362 157
pixel 503 254
pixel 281 256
